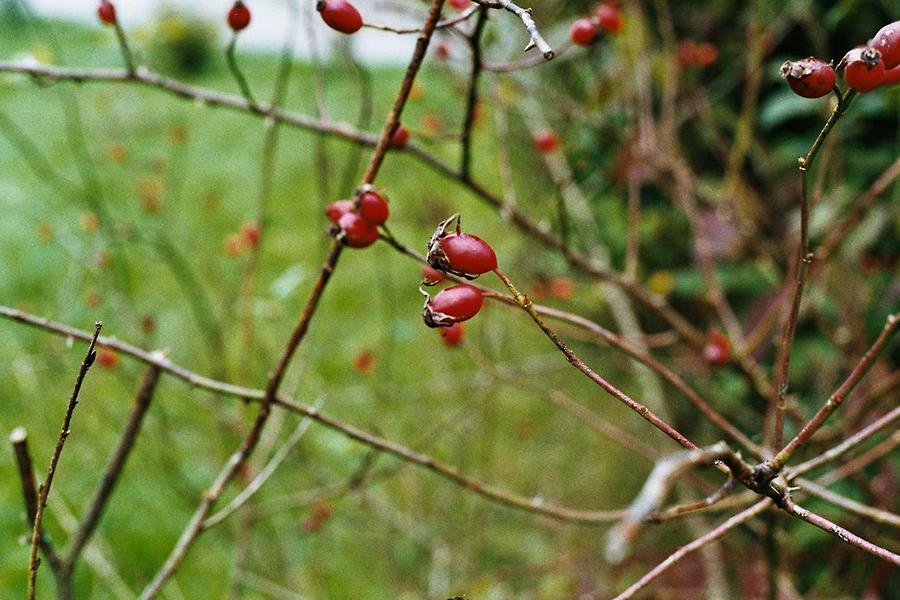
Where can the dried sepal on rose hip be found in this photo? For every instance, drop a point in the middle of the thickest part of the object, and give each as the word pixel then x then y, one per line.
pixel 453 305
pixel 863 69
pixel 811 77
pixel 461 254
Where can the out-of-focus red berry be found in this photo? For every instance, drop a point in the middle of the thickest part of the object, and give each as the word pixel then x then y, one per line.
pixel 400 137
pixel 459 4
pixel 238 16
pixel 561 288
pixel 107 358
pixel 609 18
pixel 106 12
pixel 337 209
pixel 453 335
pixel 251 233
pixel 546 141
pixel 717 350
pixel 583 32
pixel 364 363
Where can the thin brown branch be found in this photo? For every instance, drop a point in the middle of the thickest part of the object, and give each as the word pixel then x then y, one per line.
pixel 882 517
pixel 698 543
pixel 113 471
pixel 780 459
pixel 839 532
pixel 851 442
pixel 525 15
pixel 44 489
pixel 442 24
pixel 19 440
pixel 525 303
pixel 472 96
pixel 862 461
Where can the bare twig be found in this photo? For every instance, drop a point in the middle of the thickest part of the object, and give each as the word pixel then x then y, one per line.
pixel 19 440
pixel 780 459
pixel 882 517
pixel 698 543
pixel 525 14
pixel 472 96
pixel 841 533
pixel 112 472
pixel 803 262
pixel 238 75
pixel 657 488
pixel 44 490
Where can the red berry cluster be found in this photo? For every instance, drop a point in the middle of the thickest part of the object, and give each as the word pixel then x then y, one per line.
pixel 461 254
pixel 863 68
pixel 357 225
pixel 340 15
pixel 238 16
pixel 606 19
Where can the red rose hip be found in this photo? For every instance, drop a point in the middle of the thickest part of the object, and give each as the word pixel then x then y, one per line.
pixel 609 19
pixel 431 276
pixel 452 305
pixel 338 209
pixel 400 137
pixel 358 233
pixel 583 32
pixel 546 141
pixel 238 16
pixel 887 41
pixel 340 15
pixel 106 12
pixel 468 253
pixel 810 77
pixel 717 350
pixel 891 76
pixel 373 208
pixel 863 69
pixel 453 335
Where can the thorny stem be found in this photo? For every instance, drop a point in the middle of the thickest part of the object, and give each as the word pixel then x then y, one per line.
pixel 804 259
pixel 44 489
pixel 524 14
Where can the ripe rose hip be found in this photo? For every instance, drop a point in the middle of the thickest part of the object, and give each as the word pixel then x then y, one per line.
pixel 373 208
pixel 546 141
pixel 863 69
pixel 358 233
pixel 106 12
pixel 452 305
pixel 810 77
pixel 609 19
pixel 400 137
pixel 337 209
pixel 431 276
pixel 453 335
pixel 238 16
pixel 583 32
pixel 340 15
pixel 717 350
pixel 461 254
pixel 887 41
pixel 459 4
pixel 891 76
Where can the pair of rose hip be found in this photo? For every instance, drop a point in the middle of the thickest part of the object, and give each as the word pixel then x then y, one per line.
pixel 606 19
pixel 864 68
